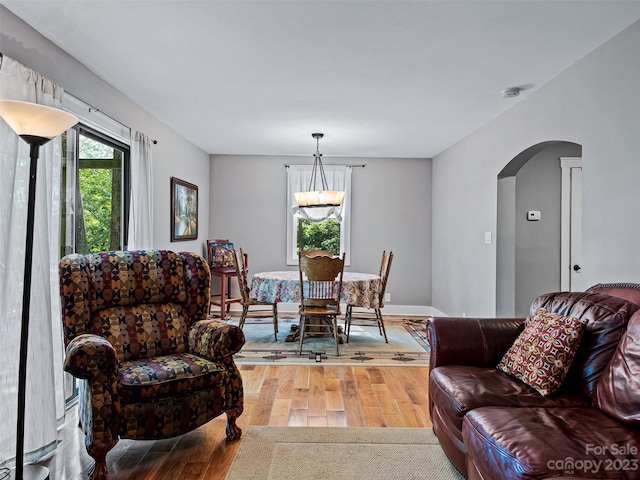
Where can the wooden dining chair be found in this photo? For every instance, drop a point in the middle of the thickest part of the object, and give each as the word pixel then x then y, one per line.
pixel 219 256
pixel 245 295
pixel 367 319
pixel 321 282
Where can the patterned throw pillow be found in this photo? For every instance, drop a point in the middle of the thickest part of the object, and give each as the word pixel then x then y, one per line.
pixel 542 354
pixel 221 255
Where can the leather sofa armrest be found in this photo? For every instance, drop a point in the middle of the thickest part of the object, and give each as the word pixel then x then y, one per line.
pixel 479 342
pixel 89 356
pixel 214 339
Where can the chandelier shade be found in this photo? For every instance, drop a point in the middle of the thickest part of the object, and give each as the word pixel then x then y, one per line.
pixel 315 197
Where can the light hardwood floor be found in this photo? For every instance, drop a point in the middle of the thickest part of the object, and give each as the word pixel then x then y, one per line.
pixel 314 396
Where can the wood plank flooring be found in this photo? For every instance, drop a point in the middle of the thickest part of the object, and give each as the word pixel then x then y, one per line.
pixel 294 396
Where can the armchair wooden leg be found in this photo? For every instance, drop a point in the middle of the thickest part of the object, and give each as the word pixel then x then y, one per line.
pixel 99 453
pixel 234 432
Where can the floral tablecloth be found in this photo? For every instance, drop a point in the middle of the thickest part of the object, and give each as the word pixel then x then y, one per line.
pixel 358 289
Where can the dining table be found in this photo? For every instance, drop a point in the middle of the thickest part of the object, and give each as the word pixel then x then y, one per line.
pixel 358 289
pixel 283 286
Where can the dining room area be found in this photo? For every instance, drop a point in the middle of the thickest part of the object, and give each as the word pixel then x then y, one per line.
pixel 256 215
pixel 339 312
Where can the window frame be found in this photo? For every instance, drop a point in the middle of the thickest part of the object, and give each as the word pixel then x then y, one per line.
pixel 345 222
pixel 70 205
pixel 67 220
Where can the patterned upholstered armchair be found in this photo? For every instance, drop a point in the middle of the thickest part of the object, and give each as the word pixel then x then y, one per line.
pixel 152 365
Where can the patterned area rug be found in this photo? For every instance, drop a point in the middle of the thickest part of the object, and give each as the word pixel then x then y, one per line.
pixel 407 344
pixel 334 453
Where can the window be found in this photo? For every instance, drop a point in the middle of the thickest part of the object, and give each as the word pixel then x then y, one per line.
pixel 322 228
pixel 95 203
pixel 324 235
pixel 95 176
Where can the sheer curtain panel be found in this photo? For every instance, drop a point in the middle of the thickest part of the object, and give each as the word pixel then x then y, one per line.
pixel 44 395
pixel 141 209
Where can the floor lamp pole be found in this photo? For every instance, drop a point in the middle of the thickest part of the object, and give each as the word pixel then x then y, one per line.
pixel 32 471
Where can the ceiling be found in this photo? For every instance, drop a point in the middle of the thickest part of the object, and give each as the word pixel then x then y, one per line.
pixel 378 78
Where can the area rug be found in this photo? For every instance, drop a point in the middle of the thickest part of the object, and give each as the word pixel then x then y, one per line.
pixel 407 345
pixel 328 453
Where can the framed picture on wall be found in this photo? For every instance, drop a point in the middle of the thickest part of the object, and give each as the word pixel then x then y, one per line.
pixel 184 210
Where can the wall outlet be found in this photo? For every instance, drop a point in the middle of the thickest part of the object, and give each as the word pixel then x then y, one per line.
pixel 387 297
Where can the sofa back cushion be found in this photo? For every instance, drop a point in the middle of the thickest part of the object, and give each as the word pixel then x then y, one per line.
pixel 618 391
pixel 628 291
pixel 606 319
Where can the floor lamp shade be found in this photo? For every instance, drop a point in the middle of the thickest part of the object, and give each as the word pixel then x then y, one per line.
pixel 35 120
pixel 36 125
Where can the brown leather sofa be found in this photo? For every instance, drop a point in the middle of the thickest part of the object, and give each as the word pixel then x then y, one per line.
pixel 494 427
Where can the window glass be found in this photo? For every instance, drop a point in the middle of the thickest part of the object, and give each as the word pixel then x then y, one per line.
pixel 324 235
pixel 94 210
pixel 95 181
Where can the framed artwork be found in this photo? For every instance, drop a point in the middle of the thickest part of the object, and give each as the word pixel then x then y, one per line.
pixel 184 210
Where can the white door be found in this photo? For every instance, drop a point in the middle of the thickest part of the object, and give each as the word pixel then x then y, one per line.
pixel 571 249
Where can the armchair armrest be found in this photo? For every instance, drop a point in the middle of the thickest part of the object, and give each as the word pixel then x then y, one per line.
pixel 477 342
pixel 89 355
pixel 93 358
pixel 214 339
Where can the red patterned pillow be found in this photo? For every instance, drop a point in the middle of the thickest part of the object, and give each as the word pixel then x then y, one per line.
pixel 221 255
pixel 543 352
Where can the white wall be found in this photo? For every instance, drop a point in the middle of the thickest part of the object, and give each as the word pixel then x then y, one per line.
pixel 594 103
pixel 537 243
pixel 172 156
pixel 391 210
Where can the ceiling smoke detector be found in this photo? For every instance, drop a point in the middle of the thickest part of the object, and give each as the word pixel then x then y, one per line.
pixel 510 92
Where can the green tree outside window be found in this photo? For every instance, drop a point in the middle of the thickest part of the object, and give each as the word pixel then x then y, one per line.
pixel 323 235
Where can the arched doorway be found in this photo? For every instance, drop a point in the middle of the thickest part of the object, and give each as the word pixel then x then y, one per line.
pixel 528 240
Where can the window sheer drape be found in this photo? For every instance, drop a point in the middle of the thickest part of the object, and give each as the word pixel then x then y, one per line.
pixel 44 395
pixel 141 209
pixel 298 178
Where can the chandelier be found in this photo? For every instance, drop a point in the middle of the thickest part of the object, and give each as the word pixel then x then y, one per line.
pixel 315 197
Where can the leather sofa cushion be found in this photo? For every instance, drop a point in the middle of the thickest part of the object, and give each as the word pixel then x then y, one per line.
pixel 628 291
pixel 618 392
pixel 168 375
pixel 456 390
pixel 606 319
pixel 535 443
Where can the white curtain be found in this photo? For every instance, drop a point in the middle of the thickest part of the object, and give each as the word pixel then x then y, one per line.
pixel 298 180
pixel 44 395
pixel 141 209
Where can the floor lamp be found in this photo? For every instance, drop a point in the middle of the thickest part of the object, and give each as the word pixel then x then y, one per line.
pixel 35 124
